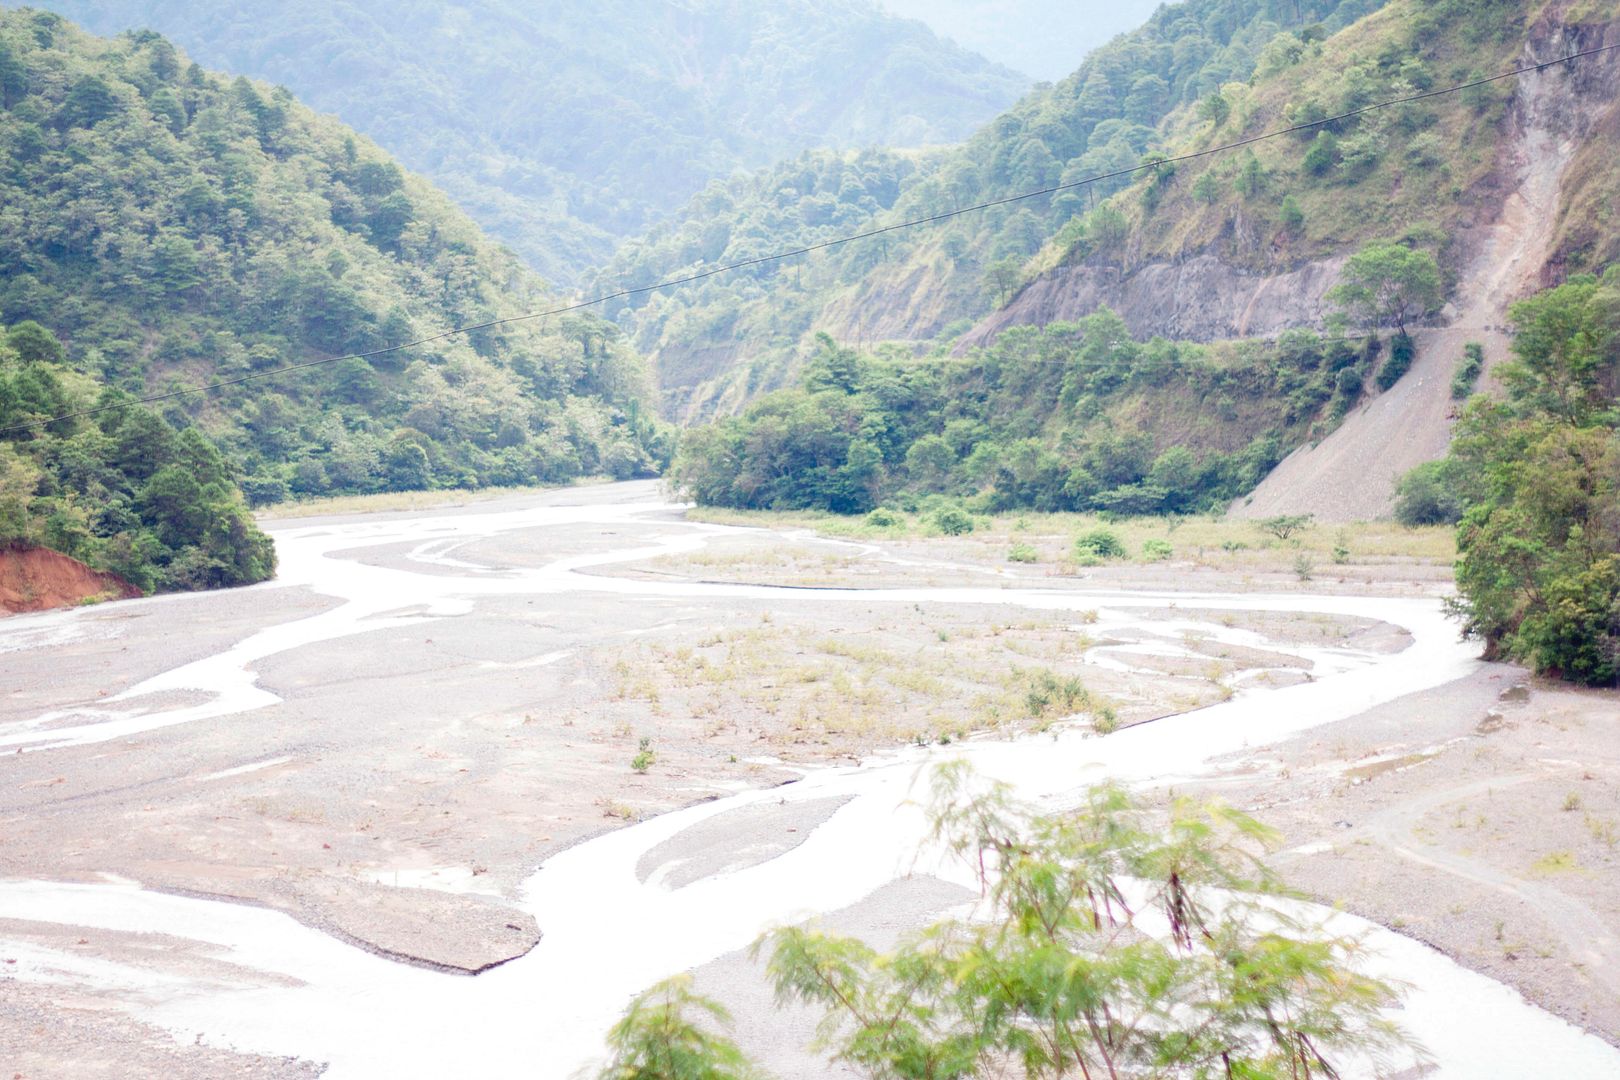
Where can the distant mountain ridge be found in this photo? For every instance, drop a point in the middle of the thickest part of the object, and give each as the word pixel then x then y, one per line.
pixel 1046 38
pixel 564 127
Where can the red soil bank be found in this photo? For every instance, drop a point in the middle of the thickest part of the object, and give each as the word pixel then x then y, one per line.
pixel 36 579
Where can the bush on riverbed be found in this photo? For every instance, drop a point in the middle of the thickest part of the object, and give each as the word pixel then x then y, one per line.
pixel 1099 543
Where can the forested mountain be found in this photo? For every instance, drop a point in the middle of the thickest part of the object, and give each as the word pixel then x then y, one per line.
pixel 173 226
pixel 562 127
pixel 715 346
pixel 1321 192
pixel 1045 38
pixel 1446 209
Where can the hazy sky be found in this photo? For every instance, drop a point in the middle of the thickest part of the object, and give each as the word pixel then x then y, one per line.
pixel 1045 39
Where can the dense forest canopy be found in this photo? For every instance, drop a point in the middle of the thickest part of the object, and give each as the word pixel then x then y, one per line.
pixel 563 127
pixel 173 226
pixel 122 491
pixel 1064 417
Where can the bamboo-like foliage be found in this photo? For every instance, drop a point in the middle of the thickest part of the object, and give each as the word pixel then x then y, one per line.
pixel 1105 946
pixel 666 1034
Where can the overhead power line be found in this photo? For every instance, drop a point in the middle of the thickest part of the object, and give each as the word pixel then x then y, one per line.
pixel 824 245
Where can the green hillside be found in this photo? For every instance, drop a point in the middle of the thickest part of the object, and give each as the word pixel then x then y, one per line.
pixel 1063 417
pixel 715 346
pixel 173 226
pixel 1422 170
pixel 1078 414
pixel 564 127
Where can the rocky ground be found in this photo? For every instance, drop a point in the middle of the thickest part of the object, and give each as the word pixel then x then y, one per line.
pixel 410 778
pixel 1482 817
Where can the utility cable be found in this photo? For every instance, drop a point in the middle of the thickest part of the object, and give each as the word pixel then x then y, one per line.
pixel 709 272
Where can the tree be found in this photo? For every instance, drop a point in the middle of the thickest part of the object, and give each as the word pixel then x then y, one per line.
pixel 833 367
pixel 1387 283
pixel 174 504
pixel 90 101
pixel 929 461
pixel 19 483
pixel 1284 526
pixel 390 219
pixel 1424 496
pixel 1538 573
pixel 1110 949
pixel 1566 348
pixel 13 76
pixel 1323 155
pixel 1177 473
pixel 1108 229
pixel 1145 103
pixel 661 1038
pixel 1291 216
pixel 1215 109
pixel 33 344
pixel 1001 278
pixel 1250 178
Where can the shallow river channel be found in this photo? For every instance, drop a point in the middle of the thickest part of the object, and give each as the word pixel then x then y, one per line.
pixel 609 930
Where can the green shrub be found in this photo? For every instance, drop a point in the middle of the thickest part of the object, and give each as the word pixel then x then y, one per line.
pixel 1022 553
pixel 645 757
pixel 1323 154
pixel 882 518
pixel 953 520
pixel 1348 384
pixel 1099 543
pixel 1467 375
pixel 1293 218
pixel 1399 363
pixel 1424 497
pixel 1156 550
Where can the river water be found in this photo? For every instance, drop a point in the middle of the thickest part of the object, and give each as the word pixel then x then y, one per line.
pixel 608 933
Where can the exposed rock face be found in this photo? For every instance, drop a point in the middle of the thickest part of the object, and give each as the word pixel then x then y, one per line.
pixel 1203 298
pixel 1352 474
pixel 37 579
